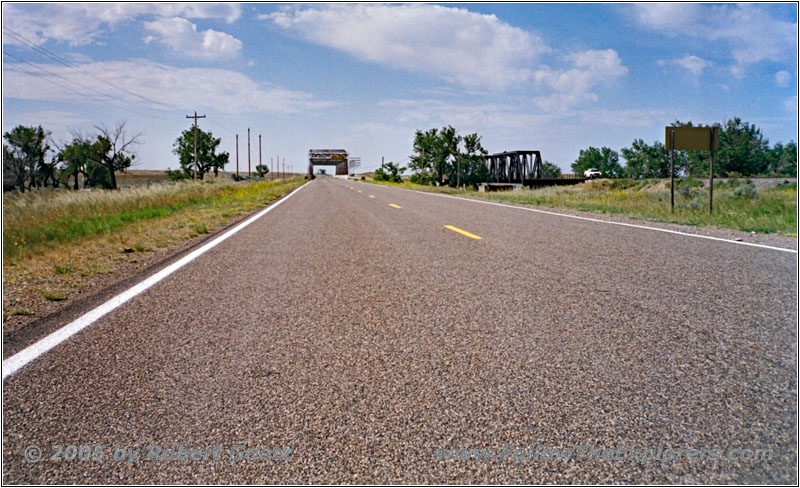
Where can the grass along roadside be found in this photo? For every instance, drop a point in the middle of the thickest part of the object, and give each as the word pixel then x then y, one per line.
pixel 737 204
pixel 57 244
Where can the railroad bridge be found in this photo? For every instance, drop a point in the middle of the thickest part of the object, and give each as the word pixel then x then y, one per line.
pixel 522 168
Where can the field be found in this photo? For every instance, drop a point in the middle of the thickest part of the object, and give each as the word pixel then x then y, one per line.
pixel 738 204
pixel 58 244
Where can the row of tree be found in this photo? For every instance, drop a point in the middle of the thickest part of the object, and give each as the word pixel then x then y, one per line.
pixel 444 157
pixel 29 160
pixel 743 151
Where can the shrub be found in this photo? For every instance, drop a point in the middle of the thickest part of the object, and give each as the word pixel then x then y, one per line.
pixel 747 190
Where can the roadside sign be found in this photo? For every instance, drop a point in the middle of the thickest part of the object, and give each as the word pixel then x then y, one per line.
pixel 692 138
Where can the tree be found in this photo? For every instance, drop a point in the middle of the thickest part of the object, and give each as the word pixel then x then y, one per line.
pixel 389 172
pixel 24 154
pixel 422 161
pixel 207 158
pixel 645 161
pixel 85 157
pixel 783 159
pixel 742 149
pixel 604 159
pixel 115 147
pixel 473 166
pixel 445 155
pixel 550 170
pixel 439 158
pixel 262 170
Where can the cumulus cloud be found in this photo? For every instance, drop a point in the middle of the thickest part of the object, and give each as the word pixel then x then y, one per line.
pixel 82 23
pixel 467 48
pixel 782 78
pixel 221 90
pixel 693 64
pixel 749 31
pixel 575 85
pixel 182 36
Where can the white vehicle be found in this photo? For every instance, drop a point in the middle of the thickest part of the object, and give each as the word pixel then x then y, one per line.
pixel 592 173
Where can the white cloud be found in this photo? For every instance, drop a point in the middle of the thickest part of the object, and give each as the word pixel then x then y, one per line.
pixel 752 35
pixel 468 48
pixel 182 36
pixel 626 117
pixel 782 78
pixel 791 104
pixel 573 86
pixel 224 91
pixel 693 64
pixel 57 120
pixel 82 23
pixel 465 116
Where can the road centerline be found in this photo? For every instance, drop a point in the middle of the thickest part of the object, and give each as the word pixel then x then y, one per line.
pixel 395 206
pixel 463 232
pixel 609 222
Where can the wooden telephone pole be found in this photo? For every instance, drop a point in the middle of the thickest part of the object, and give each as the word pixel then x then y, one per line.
pixel 195 117
pixel 248 151
pixel 237 154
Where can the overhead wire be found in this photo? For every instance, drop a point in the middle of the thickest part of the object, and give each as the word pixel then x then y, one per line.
pixel 85 95
pixel 30 44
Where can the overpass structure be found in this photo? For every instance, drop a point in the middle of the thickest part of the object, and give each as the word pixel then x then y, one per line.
pixel 327 157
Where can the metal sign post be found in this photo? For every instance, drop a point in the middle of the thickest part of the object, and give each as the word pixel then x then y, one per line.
pixel 711 174
pixel 672 171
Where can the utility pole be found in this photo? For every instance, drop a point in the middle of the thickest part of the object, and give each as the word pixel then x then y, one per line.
pixel 248 151
pixel 259 149
pixel 237 154
pixel 284 167
pixel 271 169
pixel 195 117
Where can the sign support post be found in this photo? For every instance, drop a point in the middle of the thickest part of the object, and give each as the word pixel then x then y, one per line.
pixel 711 176
pixel 672 171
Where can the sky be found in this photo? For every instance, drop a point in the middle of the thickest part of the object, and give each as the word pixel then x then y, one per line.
pixel 364 77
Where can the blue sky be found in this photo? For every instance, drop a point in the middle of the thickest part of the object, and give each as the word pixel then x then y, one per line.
pixel 363 77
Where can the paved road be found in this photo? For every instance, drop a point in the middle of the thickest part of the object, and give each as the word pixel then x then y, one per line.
pixel 367 338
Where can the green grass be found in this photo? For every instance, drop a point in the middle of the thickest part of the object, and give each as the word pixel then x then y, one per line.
pixel 37 221
pixel 737 205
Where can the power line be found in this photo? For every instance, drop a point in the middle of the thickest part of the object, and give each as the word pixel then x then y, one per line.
pixel 30 44
pixel 87 96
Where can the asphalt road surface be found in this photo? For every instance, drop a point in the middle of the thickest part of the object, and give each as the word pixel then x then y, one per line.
pixel 354 338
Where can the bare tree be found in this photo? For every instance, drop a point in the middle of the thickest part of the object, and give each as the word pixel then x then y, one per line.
pixel 119 154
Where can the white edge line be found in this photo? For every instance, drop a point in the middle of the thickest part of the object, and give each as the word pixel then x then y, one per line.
pixel 32 352
pixel 601 221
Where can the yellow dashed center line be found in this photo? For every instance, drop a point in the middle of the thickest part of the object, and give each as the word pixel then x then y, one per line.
pixel 463 232
pixel 395 206
pixel 359 191
pixel 372 196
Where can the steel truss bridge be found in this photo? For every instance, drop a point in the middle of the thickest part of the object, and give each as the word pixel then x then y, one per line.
pixel 522 167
